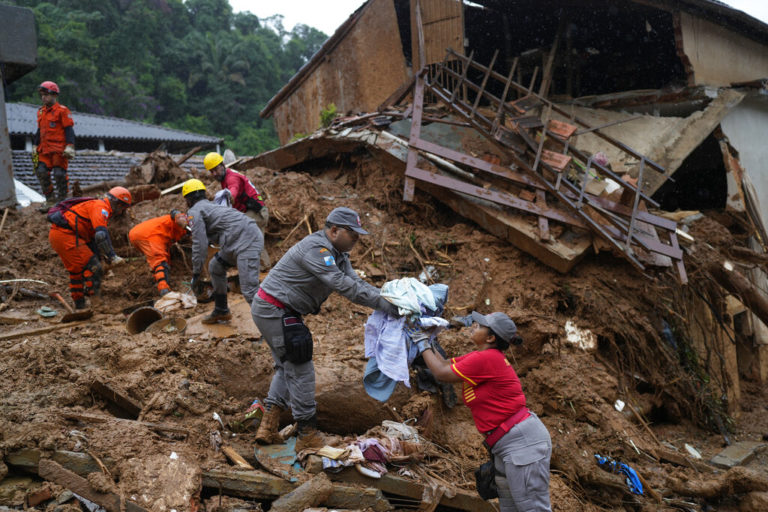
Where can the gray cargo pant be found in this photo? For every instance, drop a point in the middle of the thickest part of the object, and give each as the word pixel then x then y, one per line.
pixel 293 385
pixel 262 219
pixel 247 263
pixel 521 459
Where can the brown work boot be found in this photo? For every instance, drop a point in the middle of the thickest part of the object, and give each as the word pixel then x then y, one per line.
pixel 309 436
pixel 267 432
pixel 220 311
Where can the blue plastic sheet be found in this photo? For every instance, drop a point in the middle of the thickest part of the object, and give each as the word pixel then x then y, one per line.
pixel 633 480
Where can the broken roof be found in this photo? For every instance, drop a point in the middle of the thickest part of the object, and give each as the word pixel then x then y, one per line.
pixel 87 168
pixel 712 10
pixel 22 120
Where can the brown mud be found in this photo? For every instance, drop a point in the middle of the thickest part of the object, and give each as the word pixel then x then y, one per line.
pixel 182 380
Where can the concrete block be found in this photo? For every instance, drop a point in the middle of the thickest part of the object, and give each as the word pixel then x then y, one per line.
pixel 737 454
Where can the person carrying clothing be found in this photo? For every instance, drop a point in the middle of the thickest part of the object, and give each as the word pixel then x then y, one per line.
pixel 244 196
pixel 298 285
pixel 240 244
pixel 54 145
pixel 79 236
pixel 153 238
pixel 517 440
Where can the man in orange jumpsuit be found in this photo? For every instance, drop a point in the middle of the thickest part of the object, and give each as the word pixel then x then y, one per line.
pixel 153 238
pixel 54 143
pixel 79 235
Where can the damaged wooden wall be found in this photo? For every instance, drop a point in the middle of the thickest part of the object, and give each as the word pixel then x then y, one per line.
pixel 719 56
pixel 357 75
pixel 443 25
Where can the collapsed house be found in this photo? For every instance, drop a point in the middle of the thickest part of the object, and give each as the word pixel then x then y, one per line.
pixel 564 129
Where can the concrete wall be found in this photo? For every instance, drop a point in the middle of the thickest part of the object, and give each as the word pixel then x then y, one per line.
pixel 719 56
pixel 746 127
pixel 357 75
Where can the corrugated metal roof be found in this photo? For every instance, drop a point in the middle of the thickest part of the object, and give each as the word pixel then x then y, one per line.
pixel 22 120
pixel 86 168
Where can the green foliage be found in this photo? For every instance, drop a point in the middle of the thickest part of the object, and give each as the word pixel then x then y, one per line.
pixel 192 65
pixel 327 115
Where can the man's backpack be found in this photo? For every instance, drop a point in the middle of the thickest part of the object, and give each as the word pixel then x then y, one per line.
pixel 56 212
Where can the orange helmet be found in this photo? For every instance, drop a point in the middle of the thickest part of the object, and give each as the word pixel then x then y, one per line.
pixel 49 87
pixel 121 194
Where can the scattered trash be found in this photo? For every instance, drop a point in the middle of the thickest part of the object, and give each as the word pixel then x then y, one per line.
pixel 174 456
pixel 633 480
pixel 142 318
pixel 175 300
pixel 582 338
pixel 428 273
pixel 47 312
pixel 619 405
pixel 692 451
pixel 218 418
pixel 367 472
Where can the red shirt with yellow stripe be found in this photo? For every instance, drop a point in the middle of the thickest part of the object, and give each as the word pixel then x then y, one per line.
pixel 490 387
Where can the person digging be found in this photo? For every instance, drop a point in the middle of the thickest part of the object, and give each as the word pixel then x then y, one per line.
pixel 240 244
pixel 153 238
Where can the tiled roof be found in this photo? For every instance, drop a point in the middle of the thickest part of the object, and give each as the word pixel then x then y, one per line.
pixel 86 168
pixel 22 120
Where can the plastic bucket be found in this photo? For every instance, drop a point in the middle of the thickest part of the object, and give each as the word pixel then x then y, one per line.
pixel 142 318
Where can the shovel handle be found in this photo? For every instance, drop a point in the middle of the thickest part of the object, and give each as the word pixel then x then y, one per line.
pixel 57 296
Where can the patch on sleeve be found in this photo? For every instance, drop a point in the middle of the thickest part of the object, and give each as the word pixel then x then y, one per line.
pixel 323 249
pixel 190 221
pixel 105 213
pixel 329 260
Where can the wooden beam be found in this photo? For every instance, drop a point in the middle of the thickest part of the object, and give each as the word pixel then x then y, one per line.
pixel 188 155
pixel 96 418
pixel 54 472
pixel 118 399
pixel 391 484
pixel 40 330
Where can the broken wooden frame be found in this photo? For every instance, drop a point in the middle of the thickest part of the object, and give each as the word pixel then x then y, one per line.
pixel 521 128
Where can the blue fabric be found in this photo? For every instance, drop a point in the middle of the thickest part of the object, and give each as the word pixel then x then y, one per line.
pixel 633 480
pixel 376 384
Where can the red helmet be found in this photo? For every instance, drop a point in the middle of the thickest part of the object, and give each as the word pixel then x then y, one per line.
pixel 49 87
pixel 121 194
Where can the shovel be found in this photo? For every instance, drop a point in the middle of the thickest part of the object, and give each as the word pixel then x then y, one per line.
pixel 73 315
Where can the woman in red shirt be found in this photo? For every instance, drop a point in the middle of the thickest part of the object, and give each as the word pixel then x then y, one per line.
pixel 518 441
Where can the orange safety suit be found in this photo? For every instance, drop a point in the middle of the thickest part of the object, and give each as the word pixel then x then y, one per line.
pixel 51 121
pixel 153 238
pixel 75 245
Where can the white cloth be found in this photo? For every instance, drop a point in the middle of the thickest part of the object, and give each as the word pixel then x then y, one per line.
pixel 409 295
pixel 223 197
pixel 175 300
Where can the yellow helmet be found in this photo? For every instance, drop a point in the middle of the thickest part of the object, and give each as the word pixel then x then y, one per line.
pixel 211 160
pixel 192 185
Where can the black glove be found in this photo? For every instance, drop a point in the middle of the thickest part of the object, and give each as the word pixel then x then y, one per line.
pixel 387 307
pixel 197 284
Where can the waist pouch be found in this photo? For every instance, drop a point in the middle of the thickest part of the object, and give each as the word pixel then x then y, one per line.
pixel 485 481
pixel 252 204
pixel 297 338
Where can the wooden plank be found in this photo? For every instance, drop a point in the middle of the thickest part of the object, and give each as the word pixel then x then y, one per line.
pixel 96 418
pixel 235 457
pixel 40 330
pixel 188 155
pixel 54 472
pixel 517 230
pixel 391 484
pixel 541 199
pixel 80 463
pixel 120 400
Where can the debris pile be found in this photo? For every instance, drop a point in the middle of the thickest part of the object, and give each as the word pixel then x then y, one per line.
pixel 157 420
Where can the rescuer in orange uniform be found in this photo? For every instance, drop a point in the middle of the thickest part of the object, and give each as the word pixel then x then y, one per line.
pixel 54 143
pixel 79 235
pixel 153 238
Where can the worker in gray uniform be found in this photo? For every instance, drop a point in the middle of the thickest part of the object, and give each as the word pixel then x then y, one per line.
pixel 298 285
pixel 240 244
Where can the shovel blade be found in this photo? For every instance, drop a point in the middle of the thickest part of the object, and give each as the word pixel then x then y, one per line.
pixel 77 315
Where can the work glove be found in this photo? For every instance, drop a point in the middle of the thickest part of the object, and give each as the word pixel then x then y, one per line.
pixel 35 153
pixel 387 307
pixel 69 152
pixel 197 285
pixel 117 260
pixel 422 340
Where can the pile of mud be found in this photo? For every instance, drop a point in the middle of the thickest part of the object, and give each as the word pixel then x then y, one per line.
pixel 181 380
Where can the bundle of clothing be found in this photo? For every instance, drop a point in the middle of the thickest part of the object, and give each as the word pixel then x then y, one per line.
pixel 389 340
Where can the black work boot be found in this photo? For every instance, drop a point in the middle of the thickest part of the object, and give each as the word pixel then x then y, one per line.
pixel 80 303
pixel 61 183
pixel 220 311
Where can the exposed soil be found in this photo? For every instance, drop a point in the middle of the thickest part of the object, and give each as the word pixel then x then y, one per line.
pixel 185 380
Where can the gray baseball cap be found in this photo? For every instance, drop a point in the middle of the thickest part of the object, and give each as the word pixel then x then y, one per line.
pixel 343 216
pixel 498 322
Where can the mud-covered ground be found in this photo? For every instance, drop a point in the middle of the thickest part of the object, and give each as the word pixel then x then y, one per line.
pixel 182 380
